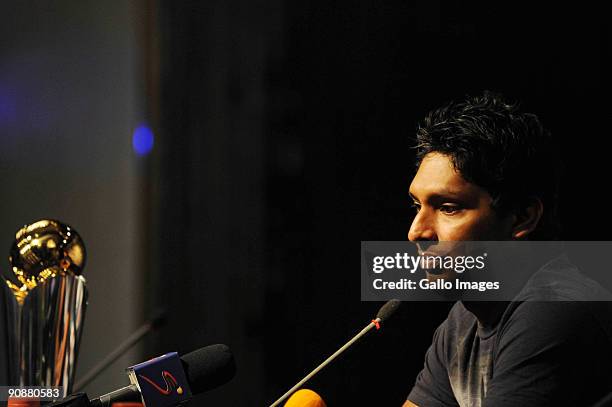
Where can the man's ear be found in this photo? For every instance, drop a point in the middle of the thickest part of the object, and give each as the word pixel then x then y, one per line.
pixel 527 218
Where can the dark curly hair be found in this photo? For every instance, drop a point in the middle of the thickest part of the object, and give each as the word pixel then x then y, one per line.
pixel 493 144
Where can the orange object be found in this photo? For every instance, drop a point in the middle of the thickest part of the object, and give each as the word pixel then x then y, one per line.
pixel 23 402
pixel 305 398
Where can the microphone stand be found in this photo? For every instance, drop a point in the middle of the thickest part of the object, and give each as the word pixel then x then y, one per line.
pixel 154 323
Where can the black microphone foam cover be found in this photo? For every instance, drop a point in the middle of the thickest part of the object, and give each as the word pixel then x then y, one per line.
pixel 208 367
pixel 388 309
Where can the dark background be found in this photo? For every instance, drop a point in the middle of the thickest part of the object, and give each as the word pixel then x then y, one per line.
pixel 283 139
pixel 288 128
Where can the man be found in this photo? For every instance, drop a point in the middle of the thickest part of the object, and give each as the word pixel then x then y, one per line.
pixel 487 171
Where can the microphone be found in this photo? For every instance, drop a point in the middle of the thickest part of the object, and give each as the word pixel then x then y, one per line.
pixel 383 314
pixel 204 369
pixel 305 398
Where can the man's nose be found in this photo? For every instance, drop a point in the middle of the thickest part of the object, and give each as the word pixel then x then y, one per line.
pixel 421 228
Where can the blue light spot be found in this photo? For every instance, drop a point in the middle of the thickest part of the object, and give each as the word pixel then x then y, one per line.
pixel 8 111
pixel 142 140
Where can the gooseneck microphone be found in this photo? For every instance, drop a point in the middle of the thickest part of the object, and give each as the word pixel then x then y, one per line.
pixel 387 310
pixel 205 369
pixel 383 314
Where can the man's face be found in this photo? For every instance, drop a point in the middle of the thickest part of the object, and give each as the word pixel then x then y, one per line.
pixel 449 208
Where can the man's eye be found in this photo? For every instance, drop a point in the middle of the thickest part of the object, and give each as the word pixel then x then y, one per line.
pixel 449 209
pixel 416 206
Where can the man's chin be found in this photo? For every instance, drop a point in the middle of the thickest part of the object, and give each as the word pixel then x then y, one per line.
pixel 444 290
pixel 440 274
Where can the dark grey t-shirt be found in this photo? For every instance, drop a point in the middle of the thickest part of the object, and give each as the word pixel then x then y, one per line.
pixel 548 349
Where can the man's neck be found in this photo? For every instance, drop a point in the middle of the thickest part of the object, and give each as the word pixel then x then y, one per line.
pixel 487 313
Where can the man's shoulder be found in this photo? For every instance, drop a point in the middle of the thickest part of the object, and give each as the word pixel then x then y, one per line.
pixel 546 322
pixel 561 280
pixel 560 299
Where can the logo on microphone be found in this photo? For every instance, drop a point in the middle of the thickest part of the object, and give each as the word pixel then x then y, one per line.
pixel 170 382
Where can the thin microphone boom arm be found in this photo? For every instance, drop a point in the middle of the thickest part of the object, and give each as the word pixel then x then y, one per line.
pixel 383 314
pixel 374 323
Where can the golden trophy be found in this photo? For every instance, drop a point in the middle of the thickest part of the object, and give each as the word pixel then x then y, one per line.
pixel 46 302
